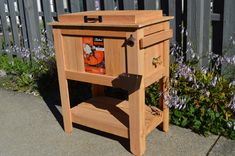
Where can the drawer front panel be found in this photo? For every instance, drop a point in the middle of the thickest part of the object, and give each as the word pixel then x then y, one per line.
pixel 153 57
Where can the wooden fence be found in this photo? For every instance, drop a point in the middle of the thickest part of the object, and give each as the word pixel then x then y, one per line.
pixel 209 23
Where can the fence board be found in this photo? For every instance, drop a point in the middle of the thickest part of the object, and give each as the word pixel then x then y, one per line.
pixel 32 23
pixel 23 23
pixel 229 25
pixel 90 5
pixel 198 16
pixel 128 5
pixel 172 12
pixel 14 25
pixel 151 4
pixel 228 32
pixel 109 4
pixel 47 18
pixel 4 24
pixel 59 6
pixel 74 5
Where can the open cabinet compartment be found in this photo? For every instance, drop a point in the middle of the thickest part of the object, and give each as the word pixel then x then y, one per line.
pixel 112 115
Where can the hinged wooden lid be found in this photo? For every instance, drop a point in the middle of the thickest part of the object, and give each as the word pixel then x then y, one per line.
pixel 115 18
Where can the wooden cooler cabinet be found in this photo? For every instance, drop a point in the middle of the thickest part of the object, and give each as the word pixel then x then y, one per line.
pixel 121 49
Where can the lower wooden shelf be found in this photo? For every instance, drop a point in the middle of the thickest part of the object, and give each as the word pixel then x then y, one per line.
pixel 111 115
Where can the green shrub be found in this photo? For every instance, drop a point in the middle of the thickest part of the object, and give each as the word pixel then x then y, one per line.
pixel 201 99
pixel 23 73
pixel 207 105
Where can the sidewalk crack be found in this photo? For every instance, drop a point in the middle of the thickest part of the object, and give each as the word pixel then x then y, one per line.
pixel 212 146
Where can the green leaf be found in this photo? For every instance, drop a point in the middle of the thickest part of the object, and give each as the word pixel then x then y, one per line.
pixel 184 122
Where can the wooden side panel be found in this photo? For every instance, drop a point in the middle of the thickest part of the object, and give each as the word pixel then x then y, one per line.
pixel 114 56
pixel 150 53
pixel 73 53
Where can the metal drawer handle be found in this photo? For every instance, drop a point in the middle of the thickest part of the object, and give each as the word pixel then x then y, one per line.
pixel 93 20
pixel 156 61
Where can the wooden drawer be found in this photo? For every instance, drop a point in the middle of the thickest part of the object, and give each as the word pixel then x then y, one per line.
pixel 153 59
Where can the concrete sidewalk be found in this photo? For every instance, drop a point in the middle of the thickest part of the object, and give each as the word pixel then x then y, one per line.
pixel 30 127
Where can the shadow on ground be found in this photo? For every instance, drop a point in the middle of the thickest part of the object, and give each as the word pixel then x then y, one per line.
pixel 49 90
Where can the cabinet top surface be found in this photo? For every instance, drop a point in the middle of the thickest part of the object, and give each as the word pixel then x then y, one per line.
pixel 120 18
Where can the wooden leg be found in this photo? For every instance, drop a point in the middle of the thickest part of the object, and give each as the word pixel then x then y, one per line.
pixel 137 122
pixel 66 111
pixel 64 92
pixel 164 82
pixel 97 90
pixel 164 107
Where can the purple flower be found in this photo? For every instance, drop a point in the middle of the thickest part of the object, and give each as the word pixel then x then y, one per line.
pixel 229 124
pixel 214 81
pixel 232 103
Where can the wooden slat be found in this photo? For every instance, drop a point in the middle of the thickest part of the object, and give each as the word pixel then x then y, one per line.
pixel 47 18
pixel 104 33
pixel 153 29
pixel 103 113
pixel 73 53
pixel 153 118
pixel 215 17
pixel 115 60
pixel 59 6
pixel 90 78
pixel 109 4
pixel 172 12
pixel 16 13
pixel 4 24
pixel 111 115
pixel 32 23
pixel 54 14
pixel 23 23
pixel 229 25
pixel 153 77
pixel 228 31
pixel 129 5
pixel 74 5
pixel 90 5
pixel 198 18
pixel 14 25
pixel 155 38
pixel 151 4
